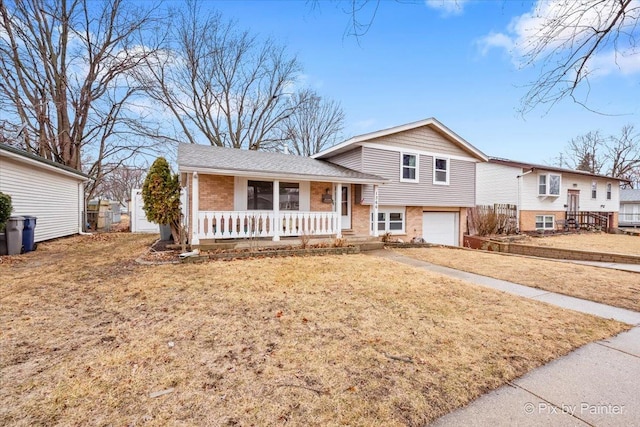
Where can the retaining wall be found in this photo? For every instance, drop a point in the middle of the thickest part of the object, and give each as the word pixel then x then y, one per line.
pixel 475 242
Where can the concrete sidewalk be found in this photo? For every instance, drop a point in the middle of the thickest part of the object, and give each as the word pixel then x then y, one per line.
pixel 595 385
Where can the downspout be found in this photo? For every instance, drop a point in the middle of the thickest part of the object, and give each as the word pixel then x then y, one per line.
pixel 520 197
pixel 83 210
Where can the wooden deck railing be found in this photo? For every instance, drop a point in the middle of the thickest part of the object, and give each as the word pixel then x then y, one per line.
pixel 586 219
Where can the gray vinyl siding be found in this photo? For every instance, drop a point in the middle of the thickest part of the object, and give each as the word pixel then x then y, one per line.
pixel 459 192
pixel 352 159
pixel 51 197
pixel 423 138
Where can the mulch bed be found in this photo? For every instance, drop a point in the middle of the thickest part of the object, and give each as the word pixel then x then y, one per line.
pixel 164 252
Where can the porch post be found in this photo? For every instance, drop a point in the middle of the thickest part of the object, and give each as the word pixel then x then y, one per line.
pixel 375 211
pixel 277 223
pixel 195 201
pixel 337 200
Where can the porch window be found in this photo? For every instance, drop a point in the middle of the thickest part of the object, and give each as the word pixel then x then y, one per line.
pixel 441 170
pixel 409 167
pixel 594 189
pixel 545 222
pixel 390 220
pixel 608 191
pixel 260 195
pixel 289 196
pixel 548 184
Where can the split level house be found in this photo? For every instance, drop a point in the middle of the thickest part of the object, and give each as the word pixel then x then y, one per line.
pixel 549 198
pixel 411 181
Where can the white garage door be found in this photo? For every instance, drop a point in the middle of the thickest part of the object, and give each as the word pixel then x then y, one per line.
pixel 440 228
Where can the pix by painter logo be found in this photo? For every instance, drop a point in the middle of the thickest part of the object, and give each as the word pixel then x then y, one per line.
pixel 581 409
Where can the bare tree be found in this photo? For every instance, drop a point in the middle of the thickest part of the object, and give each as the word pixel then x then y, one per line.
pixel 222 85
pixel 616 155
pixel 64 78
pixel 564 41
pixel 118 184
pixel 584 153
pixel 316 123
pixel 623 155
pixel 567 40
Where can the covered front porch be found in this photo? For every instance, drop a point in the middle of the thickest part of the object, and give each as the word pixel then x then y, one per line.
pixel 267 208
pixel 243 194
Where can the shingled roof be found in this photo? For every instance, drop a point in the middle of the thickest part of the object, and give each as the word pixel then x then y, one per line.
pixel 629 195
pixel 230 161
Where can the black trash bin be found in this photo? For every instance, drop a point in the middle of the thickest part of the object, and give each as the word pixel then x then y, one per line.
pixel 28 233
pixel 13 232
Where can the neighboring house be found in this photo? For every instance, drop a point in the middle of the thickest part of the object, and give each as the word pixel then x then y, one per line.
pixel 414 180
pixel 548 197
pixel 629 208
pixel 52 192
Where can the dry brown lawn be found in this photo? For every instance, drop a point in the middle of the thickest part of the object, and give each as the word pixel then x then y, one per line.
pixel 613 287
pixel 597 242
pixel 87 335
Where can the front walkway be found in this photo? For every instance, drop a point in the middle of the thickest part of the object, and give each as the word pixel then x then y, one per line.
pixel 595 385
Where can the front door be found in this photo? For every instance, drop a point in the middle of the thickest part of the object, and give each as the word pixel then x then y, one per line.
pixel 573 204
pixel 345 207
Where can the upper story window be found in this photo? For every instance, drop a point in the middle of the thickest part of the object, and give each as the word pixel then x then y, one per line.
pixel 441 170
pixel 609 191
pixel 409 167
pixel 594 189
pixel 549 184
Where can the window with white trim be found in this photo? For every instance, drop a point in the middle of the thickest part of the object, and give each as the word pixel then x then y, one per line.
pixel 408 167
pixel 390 220
pixel 441 170
pixel 594 189
pixel 608 191
pixel 545 222
pixel 549 184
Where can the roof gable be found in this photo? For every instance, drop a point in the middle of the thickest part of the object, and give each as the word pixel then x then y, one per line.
pixel 430 127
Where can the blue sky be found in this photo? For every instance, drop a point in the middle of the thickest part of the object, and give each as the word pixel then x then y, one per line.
pixel 448 60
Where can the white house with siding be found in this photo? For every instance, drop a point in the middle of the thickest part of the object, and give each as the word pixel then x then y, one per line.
pixel 47 190
pixel 547 197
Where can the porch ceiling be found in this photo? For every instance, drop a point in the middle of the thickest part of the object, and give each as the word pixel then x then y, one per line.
pixel 234 162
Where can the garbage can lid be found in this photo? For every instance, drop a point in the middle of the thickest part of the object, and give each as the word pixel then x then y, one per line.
pixel 16 218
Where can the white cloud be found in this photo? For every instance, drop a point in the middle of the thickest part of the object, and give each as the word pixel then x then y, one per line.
pixel 555 27
pixel 495 40
pixel 447 7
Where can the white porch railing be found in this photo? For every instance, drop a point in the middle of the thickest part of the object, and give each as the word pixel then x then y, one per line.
pixel 247 224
